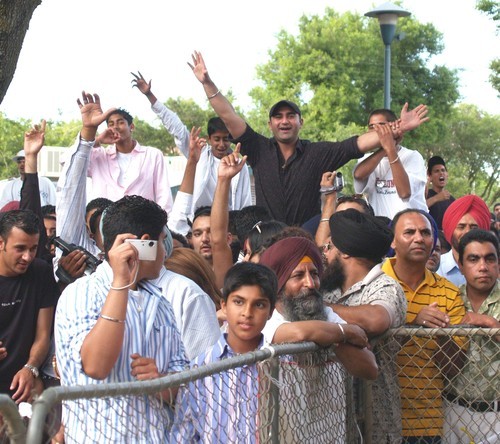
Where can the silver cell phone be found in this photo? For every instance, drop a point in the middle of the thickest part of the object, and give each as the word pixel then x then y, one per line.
pixel 145 247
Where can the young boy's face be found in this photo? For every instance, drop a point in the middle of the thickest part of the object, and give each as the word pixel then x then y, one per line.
pixel 247 311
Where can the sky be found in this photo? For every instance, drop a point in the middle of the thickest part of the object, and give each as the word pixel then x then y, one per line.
pixel 93 45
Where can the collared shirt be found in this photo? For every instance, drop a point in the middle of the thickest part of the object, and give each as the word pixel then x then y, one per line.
pixel 377 288
pixel 240 195
pixel 150 330
pixel 448 268
pixel 146 175
pixel 422 404
pixel 220 408
pixel 290 190
pixel 381 190
pixel 479 379
pixel 194 311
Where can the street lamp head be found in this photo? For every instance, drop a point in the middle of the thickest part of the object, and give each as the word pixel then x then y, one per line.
pixel 388 8
pixel 387 15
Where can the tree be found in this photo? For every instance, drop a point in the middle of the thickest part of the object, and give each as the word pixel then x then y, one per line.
pixel 15 17
pixel 472 149
pixel 492 8
pixel 11 141
pixel 334 69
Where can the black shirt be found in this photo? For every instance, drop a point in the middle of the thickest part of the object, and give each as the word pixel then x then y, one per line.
pixel 438 209
pixel 21 298
pixel 290 190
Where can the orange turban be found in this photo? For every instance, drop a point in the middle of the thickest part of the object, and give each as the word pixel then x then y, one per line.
pixel 470 204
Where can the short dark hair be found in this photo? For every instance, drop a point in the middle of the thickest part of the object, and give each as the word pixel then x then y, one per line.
pixel 25 220
pixel 201 212
pixel 387 113
pixel 216 124
pixel 496 205
pixel 356 198
pixel 135 215
pixel 181 238
pixel 262 232
pixel 478 235
pixel 249 274
pixel 247 217
pixel 122 112
pixel 48 210
pixel 433 161
pixel 98 203
pixel 434 227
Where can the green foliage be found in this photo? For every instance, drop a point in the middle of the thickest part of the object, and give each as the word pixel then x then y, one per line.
pixel 472 151
pixel 338 60
pixel 492 8
pixel 11 141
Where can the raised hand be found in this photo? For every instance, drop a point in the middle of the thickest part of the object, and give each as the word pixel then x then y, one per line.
pixel 140 83
pixel 386 137
pixel 414 118
pixel 199 68
pixel 90 108
pixel 231 164
pixel 108 136
pixel 196 144
pixel 328 179
pixel 124 261
pixel 33 139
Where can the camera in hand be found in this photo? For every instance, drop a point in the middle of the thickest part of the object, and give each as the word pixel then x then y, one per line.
pixel 91 261
pixel 338 183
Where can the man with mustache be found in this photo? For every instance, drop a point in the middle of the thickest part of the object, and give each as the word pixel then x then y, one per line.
pixel 357 289
pixel 300 315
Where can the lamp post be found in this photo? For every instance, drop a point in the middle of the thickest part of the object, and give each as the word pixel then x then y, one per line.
pixel 387 14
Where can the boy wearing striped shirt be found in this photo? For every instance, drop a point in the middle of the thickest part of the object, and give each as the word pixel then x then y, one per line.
pixel 224 407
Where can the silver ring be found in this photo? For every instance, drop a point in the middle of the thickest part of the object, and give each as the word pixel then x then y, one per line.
pixel 423 323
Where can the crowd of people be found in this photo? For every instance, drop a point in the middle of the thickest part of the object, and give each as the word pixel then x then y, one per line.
pixel 129 284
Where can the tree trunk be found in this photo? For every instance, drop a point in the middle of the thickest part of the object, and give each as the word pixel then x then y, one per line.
pixel 15 16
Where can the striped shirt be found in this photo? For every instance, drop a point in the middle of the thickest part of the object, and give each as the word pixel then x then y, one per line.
pixel 220 408
pixel 150 330
pixel 419 376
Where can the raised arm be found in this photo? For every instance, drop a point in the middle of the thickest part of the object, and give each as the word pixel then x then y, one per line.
pixel 219 217
pixel 30 192
pixel 329 199
pixel 170 120
pixel 181 210
pixel 103 344
pixel 234 123
pixel 399 174
pixel 409 120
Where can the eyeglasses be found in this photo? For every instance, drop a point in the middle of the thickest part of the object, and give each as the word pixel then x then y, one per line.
pixel 257 227
pixel 351 198
pixel 327 247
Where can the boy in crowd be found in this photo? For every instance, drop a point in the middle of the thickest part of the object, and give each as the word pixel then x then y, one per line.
pixel 224 407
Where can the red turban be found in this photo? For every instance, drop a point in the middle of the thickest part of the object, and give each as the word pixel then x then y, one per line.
pixel 283 256
pixel 470 204
pixel 12 205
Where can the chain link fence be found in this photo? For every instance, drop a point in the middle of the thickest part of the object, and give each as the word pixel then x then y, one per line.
pixel 432 383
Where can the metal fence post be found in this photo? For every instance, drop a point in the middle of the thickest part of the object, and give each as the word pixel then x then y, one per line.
pixel 15 424
pixel 275 400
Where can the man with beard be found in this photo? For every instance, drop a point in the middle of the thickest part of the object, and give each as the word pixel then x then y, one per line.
pixel 467 213
pixel 300 314
pixel 357 289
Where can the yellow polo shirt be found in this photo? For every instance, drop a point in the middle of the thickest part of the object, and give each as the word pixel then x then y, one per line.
pixel 419 376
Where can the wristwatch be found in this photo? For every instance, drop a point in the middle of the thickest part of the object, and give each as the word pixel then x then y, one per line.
pixel 32 369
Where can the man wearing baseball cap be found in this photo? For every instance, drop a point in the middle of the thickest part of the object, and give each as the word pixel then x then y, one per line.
pixel 288 170
pixel 12 191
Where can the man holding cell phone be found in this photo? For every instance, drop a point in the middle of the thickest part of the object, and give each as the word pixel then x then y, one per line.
pixel 115 325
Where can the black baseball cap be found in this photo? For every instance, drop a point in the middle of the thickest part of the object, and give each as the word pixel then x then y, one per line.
pixel 433 161
pixel 282 103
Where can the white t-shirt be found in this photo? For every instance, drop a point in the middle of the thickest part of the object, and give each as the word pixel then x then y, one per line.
pixel 380 188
